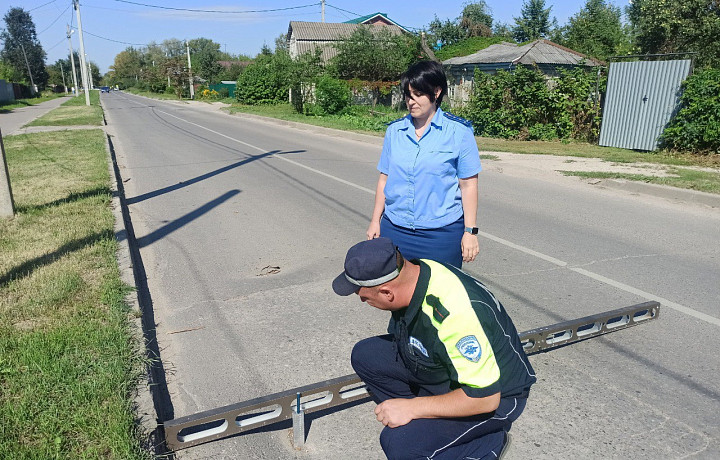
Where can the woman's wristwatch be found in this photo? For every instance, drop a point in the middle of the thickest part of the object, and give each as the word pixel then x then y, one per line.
pixel 472 230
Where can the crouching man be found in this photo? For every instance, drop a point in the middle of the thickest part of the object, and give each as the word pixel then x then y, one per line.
pixel 451 376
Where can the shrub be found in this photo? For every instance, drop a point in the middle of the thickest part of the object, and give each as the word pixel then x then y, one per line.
pixel 208 94
pixel 525 104
pixel 265 81
pixel 696 127
pixel 331 94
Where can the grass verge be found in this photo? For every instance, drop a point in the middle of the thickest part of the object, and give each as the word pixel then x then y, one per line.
pixel 703 181
pixel 7 106
pixel 152 95
pixel 357 118
pixel 73 112
pixel 584 150
pixel 68 361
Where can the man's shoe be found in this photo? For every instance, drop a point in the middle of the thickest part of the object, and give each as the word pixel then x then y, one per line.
pixel 506 445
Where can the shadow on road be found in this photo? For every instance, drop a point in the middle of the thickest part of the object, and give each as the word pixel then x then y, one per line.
pixel 202 177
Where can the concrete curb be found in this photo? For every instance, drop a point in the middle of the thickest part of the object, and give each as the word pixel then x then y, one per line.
pixel 147 415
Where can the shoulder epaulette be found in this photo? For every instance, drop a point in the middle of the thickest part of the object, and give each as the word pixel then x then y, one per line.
pixel 395 121
pixel 439 310
pixel 461 120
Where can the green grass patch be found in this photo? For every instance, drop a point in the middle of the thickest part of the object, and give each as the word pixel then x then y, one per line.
pixel 68 361
pixel 7 106
pixel 703 181
pixel 74 112
pixel 465 47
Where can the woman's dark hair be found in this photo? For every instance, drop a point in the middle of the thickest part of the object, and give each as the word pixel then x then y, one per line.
pixel 425 76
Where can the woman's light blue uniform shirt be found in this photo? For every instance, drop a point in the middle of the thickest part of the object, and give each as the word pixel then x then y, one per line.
pixel 422 188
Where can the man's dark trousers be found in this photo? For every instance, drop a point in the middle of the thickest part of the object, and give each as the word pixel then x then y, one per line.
pixel 377 362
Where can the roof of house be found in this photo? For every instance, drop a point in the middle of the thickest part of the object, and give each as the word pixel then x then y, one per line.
pixel 311 35
pixel 537 52
pixel 375 18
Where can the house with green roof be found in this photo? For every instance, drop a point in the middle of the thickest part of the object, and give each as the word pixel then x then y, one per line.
pixel 305 37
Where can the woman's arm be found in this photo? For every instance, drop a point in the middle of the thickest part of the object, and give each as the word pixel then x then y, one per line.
pixel 469 195
pixel 373 230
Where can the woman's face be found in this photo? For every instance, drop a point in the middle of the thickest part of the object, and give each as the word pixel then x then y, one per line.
pixel 419 104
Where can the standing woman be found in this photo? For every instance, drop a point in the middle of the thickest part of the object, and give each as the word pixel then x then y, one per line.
pixel 427 195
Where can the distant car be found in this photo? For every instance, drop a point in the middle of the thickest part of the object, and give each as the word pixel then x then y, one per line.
pixel 104 89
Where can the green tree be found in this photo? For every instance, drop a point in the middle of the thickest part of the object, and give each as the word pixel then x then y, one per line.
pixel 173 48
pixel 447 32
pixel 502 30
pixel 375 55
pixel 233 72
pixel 176 69
pixel 204 55
pixel 304 73
pixel 534 21
pixel 661 26
pixel 126 66
pixel 20 42
pixel 476 20
pixel 596 30
pixel 281 43
pixel 56 71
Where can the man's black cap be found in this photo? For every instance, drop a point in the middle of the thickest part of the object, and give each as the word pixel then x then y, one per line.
pixel 368 263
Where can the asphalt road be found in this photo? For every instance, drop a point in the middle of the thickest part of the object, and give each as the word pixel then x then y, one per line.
pixel 242 224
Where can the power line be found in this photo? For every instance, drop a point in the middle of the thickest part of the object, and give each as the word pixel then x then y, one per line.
pixel 359 16
pixel 340 9
pixel 217 11
pixel 56 19
pixel 51 1
pixel 56 44
pixel 116 41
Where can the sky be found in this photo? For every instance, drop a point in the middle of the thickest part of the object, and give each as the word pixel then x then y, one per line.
pixel 243 27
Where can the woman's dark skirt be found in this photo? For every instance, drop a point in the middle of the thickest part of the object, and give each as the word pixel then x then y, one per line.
pixel 440 244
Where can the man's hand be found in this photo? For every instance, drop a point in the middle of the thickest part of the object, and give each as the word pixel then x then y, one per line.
pixel 399 412
pixel 395 412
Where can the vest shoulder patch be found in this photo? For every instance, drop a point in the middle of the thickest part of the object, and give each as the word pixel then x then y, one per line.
pixel 440 313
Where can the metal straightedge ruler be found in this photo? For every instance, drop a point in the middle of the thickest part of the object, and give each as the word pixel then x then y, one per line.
pixel 211 425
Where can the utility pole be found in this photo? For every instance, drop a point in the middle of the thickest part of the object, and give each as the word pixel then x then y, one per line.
pixel 7 206
pixel 72 61
pixel 322 11
pixel 83 65
pixel 32 83
pixel 92 85
pixel 192 90
pixel 62 72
